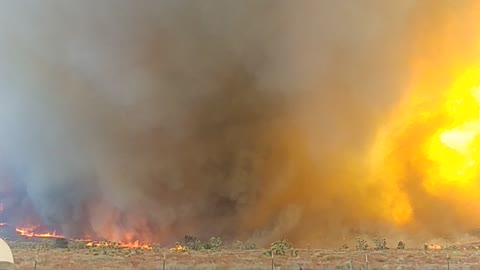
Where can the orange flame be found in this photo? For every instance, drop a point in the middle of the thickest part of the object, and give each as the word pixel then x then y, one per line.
pixel 434 247
pixel 136 244
pixel 30 233
pixel 133 245
pixel 178 248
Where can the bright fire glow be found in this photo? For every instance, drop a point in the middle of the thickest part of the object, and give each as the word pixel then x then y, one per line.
pixel 178 248
pixel 30 233
pixel 133 245
pixel 434 247
pixel 433 137
pixel 454 149
pixel 425 157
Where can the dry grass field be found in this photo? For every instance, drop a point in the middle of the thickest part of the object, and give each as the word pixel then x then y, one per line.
pixel 48 258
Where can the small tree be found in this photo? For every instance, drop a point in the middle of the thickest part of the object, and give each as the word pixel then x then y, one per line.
pixel 215 243
pixel 280 248
pixel 380 243
pixel 192 243
pixel 361 244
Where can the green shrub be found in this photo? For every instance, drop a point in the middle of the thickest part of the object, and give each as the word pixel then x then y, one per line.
pixel 215 243
pixel 191 242
pixel 280 248
pixel 380 243
pixel 361 244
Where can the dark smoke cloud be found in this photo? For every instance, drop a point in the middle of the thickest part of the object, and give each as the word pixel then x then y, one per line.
pixel 165 118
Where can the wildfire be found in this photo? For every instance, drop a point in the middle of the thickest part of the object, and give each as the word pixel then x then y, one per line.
pixel 178 248
pixel 438 137
pixel 433 247
pixel 426 154
pixel 30 233
pixel 454 150
pixel 134 245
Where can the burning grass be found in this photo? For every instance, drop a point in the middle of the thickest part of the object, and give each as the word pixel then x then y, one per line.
pixel 33 234
pixel 27 232
pixel 118 245
pixel 114 256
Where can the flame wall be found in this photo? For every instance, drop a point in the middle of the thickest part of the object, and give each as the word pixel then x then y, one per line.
pixel 265 119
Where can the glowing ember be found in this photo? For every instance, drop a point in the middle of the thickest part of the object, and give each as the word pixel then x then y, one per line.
pixel 3 224
pixel 178 248
pixel 434 247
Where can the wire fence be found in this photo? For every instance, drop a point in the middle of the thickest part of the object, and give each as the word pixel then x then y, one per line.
pixel 378 260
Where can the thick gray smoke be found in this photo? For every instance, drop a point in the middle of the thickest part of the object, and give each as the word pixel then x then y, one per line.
pixel 165 118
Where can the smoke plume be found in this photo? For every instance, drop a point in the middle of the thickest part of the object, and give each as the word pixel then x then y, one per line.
pixel 155 119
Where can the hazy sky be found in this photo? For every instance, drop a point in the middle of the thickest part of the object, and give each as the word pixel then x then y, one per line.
pixel 155 119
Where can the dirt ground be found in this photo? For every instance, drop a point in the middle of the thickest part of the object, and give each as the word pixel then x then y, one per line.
pixel 110 258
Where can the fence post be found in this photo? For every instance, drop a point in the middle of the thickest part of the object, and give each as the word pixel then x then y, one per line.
pixel 366 261
pixel 448 262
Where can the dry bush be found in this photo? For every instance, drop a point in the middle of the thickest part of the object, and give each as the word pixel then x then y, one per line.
pixel 332 257
pixel 244 245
